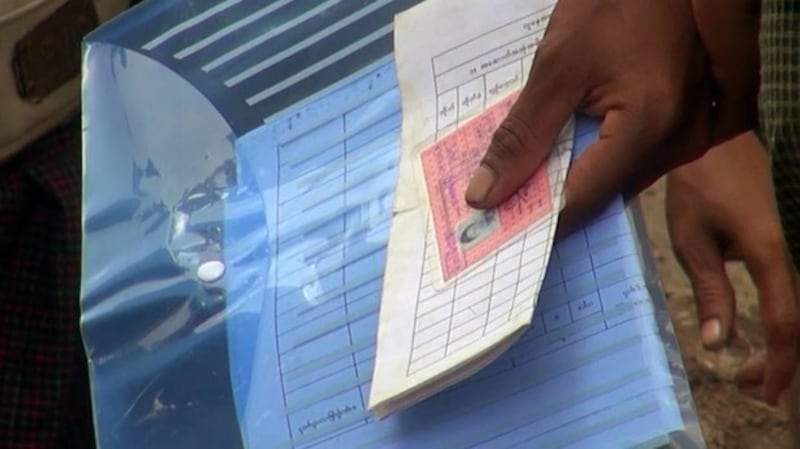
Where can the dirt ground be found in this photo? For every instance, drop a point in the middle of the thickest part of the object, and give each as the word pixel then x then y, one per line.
pixel 729 418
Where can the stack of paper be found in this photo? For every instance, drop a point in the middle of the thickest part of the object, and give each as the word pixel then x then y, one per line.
pixel 266 136
pixel 460 285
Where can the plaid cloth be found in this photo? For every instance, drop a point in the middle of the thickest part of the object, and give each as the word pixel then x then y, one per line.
pixel 780 109
pixel 44 396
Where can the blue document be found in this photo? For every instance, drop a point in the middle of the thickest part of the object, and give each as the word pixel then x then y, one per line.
pixel 263 137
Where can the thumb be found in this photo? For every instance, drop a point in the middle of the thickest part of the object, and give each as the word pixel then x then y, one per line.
pixel 703 262
pixel 525 138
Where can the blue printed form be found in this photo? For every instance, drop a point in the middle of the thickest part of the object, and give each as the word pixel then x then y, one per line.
pixel 591 372
pixel 267 136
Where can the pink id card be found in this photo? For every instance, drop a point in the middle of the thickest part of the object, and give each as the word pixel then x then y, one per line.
pixel 464 236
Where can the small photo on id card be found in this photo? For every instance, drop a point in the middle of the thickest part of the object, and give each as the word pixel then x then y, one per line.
pixel 477 228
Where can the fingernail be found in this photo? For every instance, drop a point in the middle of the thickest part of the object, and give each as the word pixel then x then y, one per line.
pixel 480 185
pixel 711 332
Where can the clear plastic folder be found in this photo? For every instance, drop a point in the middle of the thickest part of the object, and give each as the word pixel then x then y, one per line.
pixel 240 161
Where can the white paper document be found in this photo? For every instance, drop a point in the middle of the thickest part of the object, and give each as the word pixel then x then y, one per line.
pixel 458 63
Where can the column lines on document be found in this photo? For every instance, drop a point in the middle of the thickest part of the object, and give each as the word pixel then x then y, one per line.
pixel 539 30
pixel 553 255
pixel 345 296
pixel 519 276
pixel 594 276
pixel 550 232
pixel 489 302
pixel 452 304
pixel 275 300
pixel 423 266
pixel 356 160
pixel 413 356
pixel 477 287
pixel 448 342
pixel 416 305
pixel 489 305
pixel 416 346
pixel 491 293
pixel 497 254
pixel 524 236
pixel 599 283
pixel 436 95
pixel 435 86
pixel 564 282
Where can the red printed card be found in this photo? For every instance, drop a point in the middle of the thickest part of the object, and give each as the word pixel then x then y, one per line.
pixel 464 236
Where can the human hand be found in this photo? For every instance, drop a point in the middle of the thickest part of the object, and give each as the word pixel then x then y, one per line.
pixel 721 207
pixel 729 30
pixel 639 65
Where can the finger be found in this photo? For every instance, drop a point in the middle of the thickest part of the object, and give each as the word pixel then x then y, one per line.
pixel 750 379
pixel 598 175
pixel 732 254
pixel 694 143
pixel 774 279
pixel 751 372
pixel 728 28
pixel 704 264
pixel 527 135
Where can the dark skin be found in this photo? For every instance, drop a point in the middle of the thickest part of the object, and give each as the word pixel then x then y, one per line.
pixel 669 80
pixel 653 93
pixel 719 209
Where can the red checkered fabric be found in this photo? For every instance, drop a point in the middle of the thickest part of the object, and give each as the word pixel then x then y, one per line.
pixel 44 396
